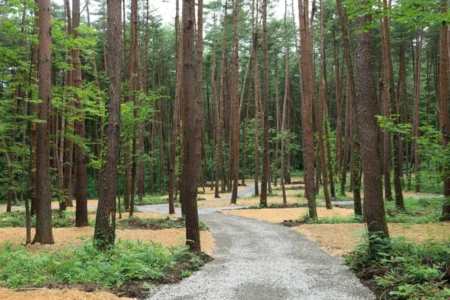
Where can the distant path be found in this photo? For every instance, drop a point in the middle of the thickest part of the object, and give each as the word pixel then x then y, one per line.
pixel 246 192
pixel 257 260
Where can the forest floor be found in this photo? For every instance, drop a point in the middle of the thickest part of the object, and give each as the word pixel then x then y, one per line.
pixel 65 238
pixel 255 256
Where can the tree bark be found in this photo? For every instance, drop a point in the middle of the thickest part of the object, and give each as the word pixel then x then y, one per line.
pixel 81 214
pixel 443 98
pixel 236 112
pixel 307 107
pixel 191 129
pixel 44 233
pixel 265 103
pixel 373 194
pixel 104 235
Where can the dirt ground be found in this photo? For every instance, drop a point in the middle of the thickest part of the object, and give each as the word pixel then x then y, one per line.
pixel 45 294
pixel 278 215
pixel 75 236
pixel 340 239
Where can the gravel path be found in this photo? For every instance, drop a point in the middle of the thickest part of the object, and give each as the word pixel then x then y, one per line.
pixel 256 260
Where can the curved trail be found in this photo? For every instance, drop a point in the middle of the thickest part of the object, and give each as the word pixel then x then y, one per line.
pixel 256 260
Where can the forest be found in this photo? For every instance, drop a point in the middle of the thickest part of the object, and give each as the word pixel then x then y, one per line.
pixel 124 130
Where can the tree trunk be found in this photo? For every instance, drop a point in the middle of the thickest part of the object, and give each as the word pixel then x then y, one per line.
pixel 80 157
pixel 373 196
pixel 307 107
pixel 255 9
pixel 320 106
pixel 175 118
pixel 443 98
pixel 265 103
pixel 191 129
pixel 104 235
pixel 44 233
pixel 236 112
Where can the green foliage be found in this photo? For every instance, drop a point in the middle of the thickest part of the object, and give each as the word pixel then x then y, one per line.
pixel 17 219
pixel 332 220
pixel 417 211
pixel 405 270
pixel 84 264
pixel 156 223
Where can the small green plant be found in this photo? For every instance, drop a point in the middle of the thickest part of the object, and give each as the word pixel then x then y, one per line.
pixel 186 273
pixel 404 270
pixel 127 260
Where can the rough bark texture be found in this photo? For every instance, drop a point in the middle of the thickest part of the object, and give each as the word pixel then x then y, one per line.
pixel 373 199
pixel 257 92
pixel 320 106
pixel 236 112
pixel 44 234
pixel 175 122
pixel 265 103
pixel 191 129
pixel 307 107
pixel 443 97
pixel 81 214
pixel 104 235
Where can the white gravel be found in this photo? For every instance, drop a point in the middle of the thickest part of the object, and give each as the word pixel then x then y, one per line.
pixel 256 260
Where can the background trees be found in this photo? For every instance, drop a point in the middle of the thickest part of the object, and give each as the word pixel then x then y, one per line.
pixel 239 77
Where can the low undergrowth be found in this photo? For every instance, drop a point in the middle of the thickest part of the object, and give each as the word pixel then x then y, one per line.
pixel 152 199
pixel 279 205
pixel 17 219
pixel 127 263
pixel 155 224
pixel 305 219
pixel 417 210
pixel 404 270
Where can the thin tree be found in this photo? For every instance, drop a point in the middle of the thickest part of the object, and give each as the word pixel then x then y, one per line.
pixel 236 112
pixel 368 128
pixel 320 104
pixel 44 233
pixel 220 115
pixel 104 235
pixel 256 91
pixel 307 106
pixel 265 103
pixel 81 214
pixel 175 117
pixel 352 119
pixel 191 129
pixel 443 98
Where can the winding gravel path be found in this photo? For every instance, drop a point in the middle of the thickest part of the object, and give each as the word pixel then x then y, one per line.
pixel 256 260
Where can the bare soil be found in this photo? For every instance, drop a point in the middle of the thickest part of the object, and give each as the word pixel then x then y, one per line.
pixel 340 239
pixel 65 294
pixel 277 215
pixel 76 236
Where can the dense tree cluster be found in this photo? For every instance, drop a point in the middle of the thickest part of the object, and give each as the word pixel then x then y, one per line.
pixel 114 102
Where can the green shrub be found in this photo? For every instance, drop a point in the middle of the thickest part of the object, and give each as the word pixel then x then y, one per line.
pixel 128 260
pixel 405 270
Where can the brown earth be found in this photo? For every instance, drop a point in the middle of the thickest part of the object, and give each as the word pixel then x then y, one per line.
pixel 66 294
pixel 278 215
pixel 340 239
pixel 76 236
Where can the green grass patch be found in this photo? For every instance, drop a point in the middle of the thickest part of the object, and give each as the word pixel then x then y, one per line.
pixel 404 270
pixel 333 220
pixel 152 199
pixel 17 219
pixel 417 211
pixel 127 260
pixel 155 224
